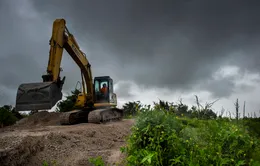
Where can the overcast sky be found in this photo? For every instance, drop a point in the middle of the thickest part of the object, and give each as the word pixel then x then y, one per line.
pixel 152 49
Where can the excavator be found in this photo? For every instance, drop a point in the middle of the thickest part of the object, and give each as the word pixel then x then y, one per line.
pixel 92 106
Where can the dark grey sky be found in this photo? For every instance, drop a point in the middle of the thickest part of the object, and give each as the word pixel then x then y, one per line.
pixel 172 44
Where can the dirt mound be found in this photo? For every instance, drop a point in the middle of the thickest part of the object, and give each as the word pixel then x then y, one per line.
pixel 17 151
pixel 43 118
pixel 64 145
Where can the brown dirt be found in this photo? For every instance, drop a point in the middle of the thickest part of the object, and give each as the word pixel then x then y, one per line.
pixel 39 138
pixel 43 118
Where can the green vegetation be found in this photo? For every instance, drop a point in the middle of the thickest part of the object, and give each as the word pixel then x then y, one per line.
pixel 253 126
pixel 97 161
pixel 53 163
pixel 68 104
pixel 169 134
pixel 8 116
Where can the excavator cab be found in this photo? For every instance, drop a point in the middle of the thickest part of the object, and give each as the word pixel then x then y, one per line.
pixel 104 96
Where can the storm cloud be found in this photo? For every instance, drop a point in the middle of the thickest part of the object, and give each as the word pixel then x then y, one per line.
pixel 158 44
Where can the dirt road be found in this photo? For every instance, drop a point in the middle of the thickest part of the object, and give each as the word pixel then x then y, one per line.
pixel 35 140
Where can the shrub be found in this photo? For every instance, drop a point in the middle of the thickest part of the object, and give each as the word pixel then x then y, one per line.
pixel 6 116
pixel 161 138
pixel 252 125
pixel 131 108
pixel 97 161
pixel 69 103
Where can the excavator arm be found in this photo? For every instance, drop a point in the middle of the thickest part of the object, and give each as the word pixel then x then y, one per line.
pixel 44 95
pixel 62 38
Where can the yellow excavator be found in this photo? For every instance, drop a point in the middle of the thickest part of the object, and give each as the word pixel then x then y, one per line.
pixel 93 105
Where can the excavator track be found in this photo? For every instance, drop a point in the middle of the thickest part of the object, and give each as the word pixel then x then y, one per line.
pixel 67 118
pixel 73 117
pixel 95 116
pixel 105 115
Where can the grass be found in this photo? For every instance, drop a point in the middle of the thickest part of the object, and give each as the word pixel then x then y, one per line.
pixel 97 161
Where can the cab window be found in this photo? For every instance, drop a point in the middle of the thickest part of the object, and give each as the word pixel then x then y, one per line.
pixel 103 82
pixel 99 85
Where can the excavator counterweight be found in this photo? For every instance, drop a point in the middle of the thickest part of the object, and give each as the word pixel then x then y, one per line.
pixel 94 104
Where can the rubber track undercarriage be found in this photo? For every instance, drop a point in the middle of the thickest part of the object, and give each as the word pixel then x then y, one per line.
pixel 94 116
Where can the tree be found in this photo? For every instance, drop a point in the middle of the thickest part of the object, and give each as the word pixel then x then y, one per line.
pixel 6 116
pixel 131 108
pixel 69 103
pixel 182 108
pixel 165 105
pixel 14 112
pixel 237 109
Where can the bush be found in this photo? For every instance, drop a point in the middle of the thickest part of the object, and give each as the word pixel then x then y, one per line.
pixel 252 125
pixel 131 108
pixel 97 161
pixel 69 103
pixel 161 138
pixel 6 116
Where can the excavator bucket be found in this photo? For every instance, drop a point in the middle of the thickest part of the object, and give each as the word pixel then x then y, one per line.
pixel 37 96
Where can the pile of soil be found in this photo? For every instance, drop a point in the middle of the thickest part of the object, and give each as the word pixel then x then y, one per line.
pixel 43 118
pixel 64 145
